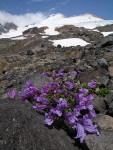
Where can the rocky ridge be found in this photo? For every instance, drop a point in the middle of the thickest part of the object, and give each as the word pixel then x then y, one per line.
pixel 26 59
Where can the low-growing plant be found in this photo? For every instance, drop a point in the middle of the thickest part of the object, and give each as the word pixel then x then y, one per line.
pixel 103 92
pixel 64 98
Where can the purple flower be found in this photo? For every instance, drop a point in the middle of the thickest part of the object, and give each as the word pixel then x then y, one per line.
pixel 90 98
pixel 85 126
pixel 77 111
pixel 40 106
pixel 71 85
pixel 56 111
pixel 73 73
pixel 63 103
pixel 60 73
pixel 80 98
pixel 23 96
pixel 92 114
pixel 70 118
pixel 46 74
pixel 11 94
pixel 80 132
pixel 42 99
pixel 92 84
pixel 29 91
pixel 83 90
pixel 49 118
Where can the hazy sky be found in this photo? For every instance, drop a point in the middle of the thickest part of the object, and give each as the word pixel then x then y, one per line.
pixel 101 8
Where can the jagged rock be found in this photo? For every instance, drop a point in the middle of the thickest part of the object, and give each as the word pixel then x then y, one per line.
pixel 23 128
pixel 103 63
pixel 99 104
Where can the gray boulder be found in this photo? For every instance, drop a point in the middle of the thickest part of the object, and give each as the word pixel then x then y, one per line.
pixel 105 139
pixel 22 128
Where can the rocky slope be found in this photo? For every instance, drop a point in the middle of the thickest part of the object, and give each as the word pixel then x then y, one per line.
pixel 5 28
pixel 22 60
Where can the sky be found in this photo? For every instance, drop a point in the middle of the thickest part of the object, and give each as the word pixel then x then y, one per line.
pixel 100 8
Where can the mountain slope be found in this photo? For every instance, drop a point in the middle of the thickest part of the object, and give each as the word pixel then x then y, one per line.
pixel 58 20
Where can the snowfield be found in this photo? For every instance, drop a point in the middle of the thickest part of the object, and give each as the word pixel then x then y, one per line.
pixel 70 42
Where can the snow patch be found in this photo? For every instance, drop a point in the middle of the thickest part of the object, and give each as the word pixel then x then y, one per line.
pixel 18 38
pixel 45 36
pixel 51 31
pixel 70 42
pixel 107 33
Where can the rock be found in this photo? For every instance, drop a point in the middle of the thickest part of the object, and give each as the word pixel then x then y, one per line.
pixel 93 75
pixel 104 122
pixel 30 52
pixel 99 104
pixel 106 28
pixel 108 98
pixel 92 35
pixel 110 69
pixel 42 45
pixel 33 30
pixel 105 139
pixel 110 84
pixel 59 46
pixel 103 63
pixel 2 65
pixel 66 28
pixel 110 109
pixel 108 56
pixel 106 41
pixel 104 80
pixel 22 128
pixel 94 64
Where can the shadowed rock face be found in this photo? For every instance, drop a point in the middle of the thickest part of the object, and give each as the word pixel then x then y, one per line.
pixel 22 128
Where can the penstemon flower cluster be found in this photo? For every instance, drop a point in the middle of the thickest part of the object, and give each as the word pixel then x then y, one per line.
pixel 63 98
